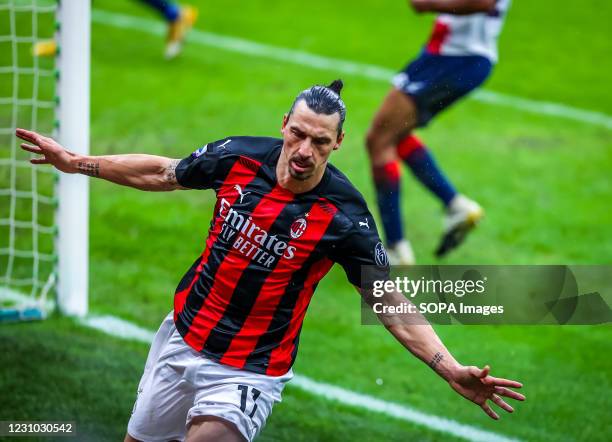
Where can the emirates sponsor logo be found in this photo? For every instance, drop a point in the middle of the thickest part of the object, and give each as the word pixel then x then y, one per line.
pixel 250 239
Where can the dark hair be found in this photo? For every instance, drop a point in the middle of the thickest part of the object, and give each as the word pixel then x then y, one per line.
pixel 324 100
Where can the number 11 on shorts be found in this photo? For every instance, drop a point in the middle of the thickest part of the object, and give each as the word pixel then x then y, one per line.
pixel 243 398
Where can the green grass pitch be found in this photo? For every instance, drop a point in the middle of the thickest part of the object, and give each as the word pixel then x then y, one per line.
pixel 543 181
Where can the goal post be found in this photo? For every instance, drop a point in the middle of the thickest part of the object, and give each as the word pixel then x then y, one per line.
pixel 44 215
pixel 73 63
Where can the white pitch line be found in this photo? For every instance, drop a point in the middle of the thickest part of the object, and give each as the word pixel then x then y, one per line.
pixel 347 67
pixel 126 330
pixel 119 328
pixel 399 411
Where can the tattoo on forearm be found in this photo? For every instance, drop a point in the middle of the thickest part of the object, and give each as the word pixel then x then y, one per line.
pixel 436 360
pixel 171 171
pixel 89 168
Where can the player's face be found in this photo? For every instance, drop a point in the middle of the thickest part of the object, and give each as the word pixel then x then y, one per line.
pixel 309 138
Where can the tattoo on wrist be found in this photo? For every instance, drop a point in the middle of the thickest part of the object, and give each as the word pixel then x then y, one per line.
pixel 170 174
pixel 436 360
pixel 89 168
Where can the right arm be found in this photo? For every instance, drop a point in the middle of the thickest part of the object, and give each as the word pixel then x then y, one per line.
pixel 141 171
pixel 457 7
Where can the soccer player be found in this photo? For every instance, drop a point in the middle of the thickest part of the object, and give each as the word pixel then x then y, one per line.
pixel 180 20
pixel 457 59
pixel 283 217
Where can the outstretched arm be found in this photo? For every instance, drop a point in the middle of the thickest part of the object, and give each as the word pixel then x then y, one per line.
pixel 144 172
pixel 414 332
pixel 457 7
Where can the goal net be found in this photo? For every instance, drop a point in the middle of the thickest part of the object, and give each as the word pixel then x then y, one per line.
pixel 33 228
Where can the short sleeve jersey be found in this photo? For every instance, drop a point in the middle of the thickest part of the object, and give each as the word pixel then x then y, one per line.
pixel 243 300
pixel 465 35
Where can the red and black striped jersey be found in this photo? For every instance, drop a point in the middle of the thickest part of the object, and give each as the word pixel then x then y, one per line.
pixel 243 301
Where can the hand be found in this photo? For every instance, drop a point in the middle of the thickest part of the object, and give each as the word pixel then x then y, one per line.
pixel 476 385
pixel 52 152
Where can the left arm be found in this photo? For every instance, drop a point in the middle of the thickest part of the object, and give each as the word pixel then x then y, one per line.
pixel 456 7
pixel 361 246
pixel 418 336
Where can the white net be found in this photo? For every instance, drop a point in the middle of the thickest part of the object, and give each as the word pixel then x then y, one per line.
pixel 27 194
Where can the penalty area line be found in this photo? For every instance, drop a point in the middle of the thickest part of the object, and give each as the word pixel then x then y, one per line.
pixel 348 67
pixel 123 329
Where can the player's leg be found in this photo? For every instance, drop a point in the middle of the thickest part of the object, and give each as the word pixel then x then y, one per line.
pixel 425 82
pixel 452 79
pixel 421 162
pixel 168 9
pixel 231 403
pixel 165 393
pixel 462 214
pixel 180 20
pixel 213 429
pixel 395 118
pixel 434 83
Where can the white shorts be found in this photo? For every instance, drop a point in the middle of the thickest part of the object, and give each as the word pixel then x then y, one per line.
pixel 180 384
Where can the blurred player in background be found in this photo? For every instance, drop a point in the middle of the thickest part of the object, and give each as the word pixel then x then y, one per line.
pixel 283 216
pixel 180 20
pixel 458 58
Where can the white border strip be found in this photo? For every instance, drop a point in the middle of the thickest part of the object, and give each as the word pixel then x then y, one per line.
pixel 24 301
pixel 119 328
pixel 339 66
pixel 126 330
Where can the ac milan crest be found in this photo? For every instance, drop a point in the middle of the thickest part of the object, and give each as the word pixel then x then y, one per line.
pixel 298 228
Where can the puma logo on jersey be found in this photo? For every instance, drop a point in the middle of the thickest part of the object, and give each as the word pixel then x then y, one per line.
pixel 240 192
pixel 222 146
pixel 364 224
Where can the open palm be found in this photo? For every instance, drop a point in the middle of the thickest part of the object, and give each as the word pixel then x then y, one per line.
pixel 478 386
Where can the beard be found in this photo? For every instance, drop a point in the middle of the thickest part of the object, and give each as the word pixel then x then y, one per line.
pixel 301 176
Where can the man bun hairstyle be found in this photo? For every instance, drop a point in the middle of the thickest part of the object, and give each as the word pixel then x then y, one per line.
pixel 336 86
pixel 324 100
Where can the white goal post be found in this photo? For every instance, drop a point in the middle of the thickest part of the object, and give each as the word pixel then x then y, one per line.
pixel 73 63
pixel 44 222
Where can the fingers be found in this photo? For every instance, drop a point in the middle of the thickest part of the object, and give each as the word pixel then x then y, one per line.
pixel 493 415
pixel 30 148
pixel 503 382
pixel 27 135
pixel 509 393
pixel 491 380
pixel 478 373
pixel 501 403
pixel 485 371
pixel 39 161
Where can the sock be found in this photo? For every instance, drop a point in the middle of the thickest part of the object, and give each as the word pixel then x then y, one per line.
pixel 416 156
pixel 168 9
pixel 387 183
